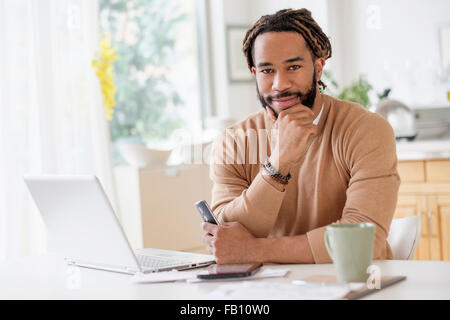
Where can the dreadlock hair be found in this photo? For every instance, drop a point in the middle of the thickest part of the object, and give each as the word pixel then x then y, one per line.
pixel 299 21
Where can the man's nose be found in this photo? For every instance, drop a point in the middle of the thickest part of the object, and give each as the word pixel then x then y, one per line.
pixel 281 82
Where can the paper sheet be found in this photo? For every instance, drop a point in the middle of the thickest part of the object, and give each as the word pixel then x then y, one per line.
pixel 164 276
pixel 276 291
pixel 352 286
pixel 263 273
pixel 191 276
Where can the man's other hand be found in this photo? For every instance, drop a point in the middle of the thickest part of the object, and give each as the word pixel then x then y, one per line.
pixel 230 242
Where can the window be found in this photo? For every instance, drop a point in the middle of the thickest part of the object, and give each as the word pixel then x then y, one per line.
pixel 156 71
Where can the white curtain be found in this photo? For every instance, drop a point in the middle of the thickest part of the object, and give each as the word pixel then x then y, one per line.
pixel 51 111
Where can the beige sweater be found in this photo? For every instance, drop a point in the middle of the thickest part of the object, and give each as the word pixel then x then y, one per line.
pixel 347 174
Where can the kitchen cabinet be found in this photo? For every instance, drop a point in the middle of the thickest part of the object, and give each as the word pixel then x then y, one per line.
pixel 425 192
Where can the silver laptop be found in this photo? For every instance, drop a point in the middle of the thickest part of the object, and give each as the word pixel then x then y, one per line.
pixel 82 226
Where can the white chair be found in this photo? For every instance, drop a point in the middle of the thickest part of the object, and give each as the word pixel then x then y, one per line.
pixel 404 236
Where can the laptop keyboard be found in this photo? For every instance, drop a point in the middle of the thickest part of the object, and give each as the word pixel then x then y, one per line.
pixel 149 261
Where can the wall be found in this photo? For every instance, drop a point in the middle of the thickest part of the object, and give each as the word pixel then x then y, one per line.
pixel 394 43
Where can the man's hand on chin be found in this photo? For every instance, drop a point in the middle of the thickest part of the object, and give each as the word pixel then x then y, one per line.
pixel 295 127
pixel 230 242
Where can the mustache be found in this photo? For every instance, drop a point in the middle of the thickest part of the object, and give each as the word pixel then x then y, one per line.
pixel 270 98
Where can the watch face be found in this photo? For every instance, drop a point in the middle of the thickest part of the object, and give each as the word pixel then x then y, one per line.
pixel 274 173
pixel 269 167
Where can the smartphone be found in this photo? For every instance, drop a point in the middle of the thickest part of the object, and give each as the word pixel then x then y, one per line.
pixel 223 271
pixel 206 213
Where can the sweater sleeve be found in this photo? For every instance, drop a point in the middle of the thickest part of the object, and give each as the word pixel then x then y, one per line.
pixel 255 203
pixel 371 159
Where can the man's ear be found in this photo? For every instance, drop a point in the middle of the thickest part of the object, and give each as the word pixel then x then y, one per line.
pixel 319 64
pixel 254 71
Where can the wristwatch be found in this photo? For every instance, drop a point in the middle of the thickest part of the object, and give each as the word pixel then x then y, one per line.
pixel 274 174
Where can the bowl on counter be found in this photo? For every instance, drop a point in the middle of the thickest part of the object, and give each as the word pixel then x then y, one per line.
pixel 141 156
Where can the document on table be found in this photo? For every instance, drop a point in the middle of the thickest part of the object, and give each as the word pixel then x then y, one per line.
pixel 263 273
pixel 164 276
pixel 281 291
pixel 191 276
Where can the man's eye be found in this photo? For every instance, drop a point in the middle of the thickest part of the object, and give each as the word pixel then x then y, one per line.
pixel 267 71
pixel 294 67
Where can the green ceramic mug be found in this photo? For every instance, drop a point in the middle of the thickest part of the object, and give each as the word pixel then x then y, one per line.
pixel 351 248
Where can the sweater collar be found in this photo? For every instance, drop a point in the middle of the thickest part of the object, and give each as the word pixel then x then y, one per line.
pixel 316 120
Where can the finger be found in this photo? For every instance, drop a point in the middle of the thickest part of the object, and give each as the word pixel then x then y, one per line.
pixel 207 239
pixel 300 113
pixel 297 108
pixel 210 228
pixel 229 223
pixel 303 116
pixel 271 114
pixel 311 131
pixel 297 120
pixel 306 122
pixel 315 129
pixel 296 113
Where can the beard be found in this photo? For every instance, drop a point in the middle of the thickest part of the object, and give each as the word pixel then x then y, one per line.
pixel 307 98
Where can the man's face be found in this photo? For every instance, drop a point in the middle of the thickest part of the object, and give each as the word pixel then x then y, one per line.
pixel 284 69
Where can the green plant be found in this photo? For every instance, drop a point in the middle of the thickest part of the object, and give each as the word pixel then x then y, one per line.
pixel 357 92
pixel 144 33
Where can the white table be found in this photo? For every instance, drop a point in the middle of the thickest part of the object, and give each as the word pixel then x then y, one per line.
pixel 48 277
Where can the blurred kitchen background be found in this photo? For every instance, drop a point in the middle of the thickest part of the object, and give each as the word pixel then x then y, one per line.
pixel 135 91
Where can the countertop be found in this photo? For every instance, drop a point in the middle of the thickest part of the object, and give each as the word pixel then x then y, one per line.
pixel 423 149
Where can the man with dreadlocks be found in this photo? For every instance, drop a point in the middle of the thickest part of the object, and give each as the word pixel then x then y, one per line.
pixel 329 161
